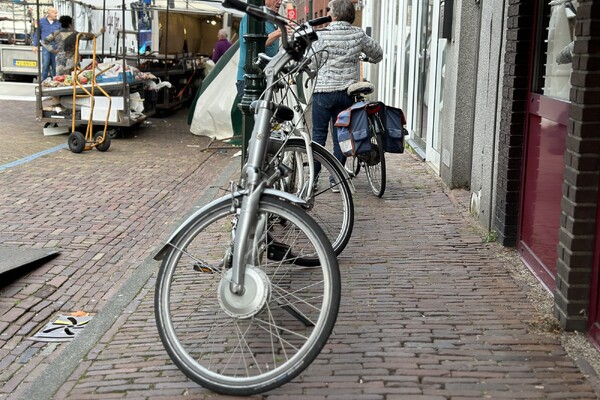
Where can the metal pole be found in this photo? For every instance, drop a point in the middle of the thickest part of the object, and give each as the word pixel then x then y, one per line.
pixel 254 83
pixel 104 24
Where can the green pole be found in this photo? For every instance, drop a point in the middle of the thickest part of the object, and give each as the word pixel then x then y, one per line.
pixel 254 83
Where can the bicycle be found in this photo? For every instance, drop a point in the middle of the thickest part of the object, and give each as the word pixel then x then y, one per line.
pixel 372 161
pixel 291 148
pixel 236 308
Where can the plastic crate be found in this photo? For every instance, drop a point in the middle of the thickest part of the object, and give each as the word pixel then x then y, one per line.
pixel 110 79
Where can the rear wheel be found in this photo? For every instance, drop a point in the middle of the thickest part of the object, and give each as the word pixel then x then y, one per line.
pixel 331 203
pixel 374 162
pixel 102 141
pixel 354 165
pixel 253 342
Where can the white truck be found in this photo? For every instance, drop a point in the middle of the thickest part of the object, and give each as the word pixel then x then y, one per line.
pixel 17 61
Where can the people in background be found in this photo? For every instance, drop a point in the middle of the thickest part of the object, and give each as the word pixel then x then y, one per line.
pixel 271 45
pixel 222 45
pixel 65 40
pixel 338 51
pixel 45 27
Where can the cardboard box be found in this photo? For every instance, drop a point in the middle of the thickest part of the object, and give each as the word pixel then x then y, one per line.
pixel 116 102
pixel 100 114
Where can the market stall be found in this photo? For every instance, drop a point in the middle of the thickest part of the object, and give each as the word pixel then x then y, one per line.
pixel 154 55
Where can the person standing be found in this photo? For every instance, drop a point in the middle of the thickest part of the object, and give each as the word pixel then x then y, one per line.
pixel 64 41
pixel 221 46
pixel 46 26
pixel 271 45
pixel 338 51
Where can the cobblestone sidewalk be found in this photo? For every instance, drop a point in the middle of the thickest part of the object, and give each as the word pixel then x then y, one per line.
pixel 429 309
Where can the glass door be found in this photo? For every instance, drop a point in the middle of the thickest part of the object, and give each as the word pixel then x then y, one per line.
pixel 391 14
pixel 421 33
pixel 406 58
pixel 436 91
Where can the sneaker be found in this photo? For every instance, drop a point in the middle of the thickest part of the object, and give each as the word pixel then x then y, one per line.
pixel 334 187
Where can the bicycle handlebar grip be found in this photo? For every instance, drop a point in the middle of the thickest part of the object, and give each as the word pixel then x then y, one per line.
pixel 235 4
pixel 318 21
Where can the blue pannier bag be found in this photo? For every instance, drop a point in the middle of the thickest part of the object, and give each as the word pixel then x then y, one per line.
pixel 352 126
pixel 394 130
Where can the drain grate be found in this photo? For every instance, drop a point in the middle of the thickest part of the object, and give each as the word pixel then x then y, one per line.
pixel 62 329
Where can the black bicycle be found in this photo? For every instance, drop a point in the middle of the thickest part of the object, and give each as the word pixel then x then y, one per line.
pixel 373 161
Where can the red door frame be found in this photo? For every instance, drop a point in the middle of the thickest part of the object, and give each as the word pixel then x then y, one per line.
pixel 594 316
pixel 542 107
pixel 556 111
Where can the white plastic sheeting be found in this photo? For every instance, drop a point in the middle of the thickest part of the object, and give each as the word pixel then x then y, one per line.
pixel 212 115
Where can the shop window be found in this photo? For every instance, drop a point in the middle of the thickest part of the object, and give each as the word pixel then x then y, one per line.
pixel 557 49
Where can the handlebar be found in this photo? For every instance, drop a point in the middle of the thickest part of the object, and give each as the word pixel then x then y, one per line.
pixel 235 4
pixel 319 21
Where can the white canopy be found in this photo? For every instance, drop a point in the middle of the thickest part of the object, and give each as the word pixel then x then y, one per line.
pixel 196 6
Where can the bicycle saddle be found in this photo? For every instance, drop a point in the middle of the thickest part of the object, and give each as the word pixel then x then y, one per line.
pixel 362 88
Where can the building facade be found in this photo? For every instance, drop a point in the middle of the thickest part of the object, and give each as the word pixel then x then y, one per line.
pixel 502 98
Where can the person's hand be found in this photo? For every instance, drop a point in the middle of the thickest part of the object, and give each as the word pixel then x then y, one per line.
pixel 102 30
pixel 34 49
pixel 290 29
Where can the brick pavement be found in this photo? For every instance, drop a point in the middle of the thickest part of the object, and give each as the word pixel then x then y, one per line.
pixel 429 310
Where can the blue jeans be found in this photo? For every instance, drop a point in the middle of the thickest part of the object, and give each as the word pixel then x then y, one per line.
pixel 325 109
pixel 48 64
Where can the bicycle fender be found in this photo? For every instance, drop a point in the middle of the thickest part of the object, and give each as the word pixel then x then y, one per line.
pixel 227 198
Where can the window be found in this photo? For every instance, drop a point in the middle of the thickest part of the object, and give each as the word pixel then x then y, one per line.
pixel 554 54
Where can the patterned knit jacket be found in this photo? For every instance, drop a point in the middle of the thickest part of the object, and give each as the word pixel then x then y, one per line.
pixel 338 50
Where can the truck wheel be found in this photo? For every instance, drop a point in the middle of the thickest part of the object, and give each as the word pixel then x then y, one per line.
pixel 113 133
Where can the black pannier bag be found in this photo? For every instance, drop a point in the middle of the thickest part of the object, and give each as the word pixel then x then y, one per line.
pixel 394 122
pixel 353 128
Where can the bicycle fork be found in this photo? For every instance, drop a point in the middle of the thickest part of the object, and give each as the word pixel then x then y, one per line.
pixel 247 235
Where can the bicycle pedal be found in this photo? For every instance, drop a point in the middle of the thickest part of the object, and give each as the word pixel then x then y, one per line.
pixel 203 268
pixel 278 251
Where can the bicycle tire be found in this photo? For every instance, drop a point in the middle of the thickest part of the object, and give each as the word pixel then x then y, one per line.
pixel 354 165
pixel 376 170
pixel 334 212
pixel 236 345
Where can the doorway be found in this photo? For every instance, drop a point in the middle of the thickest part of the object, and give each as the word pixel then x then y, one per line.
pixel 422 58
pixel 545 139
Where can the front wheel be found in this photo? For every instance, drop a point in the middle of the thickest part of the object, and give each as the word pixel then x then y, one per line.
pixel 253 342
pixel 76 142
pixel 374 163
